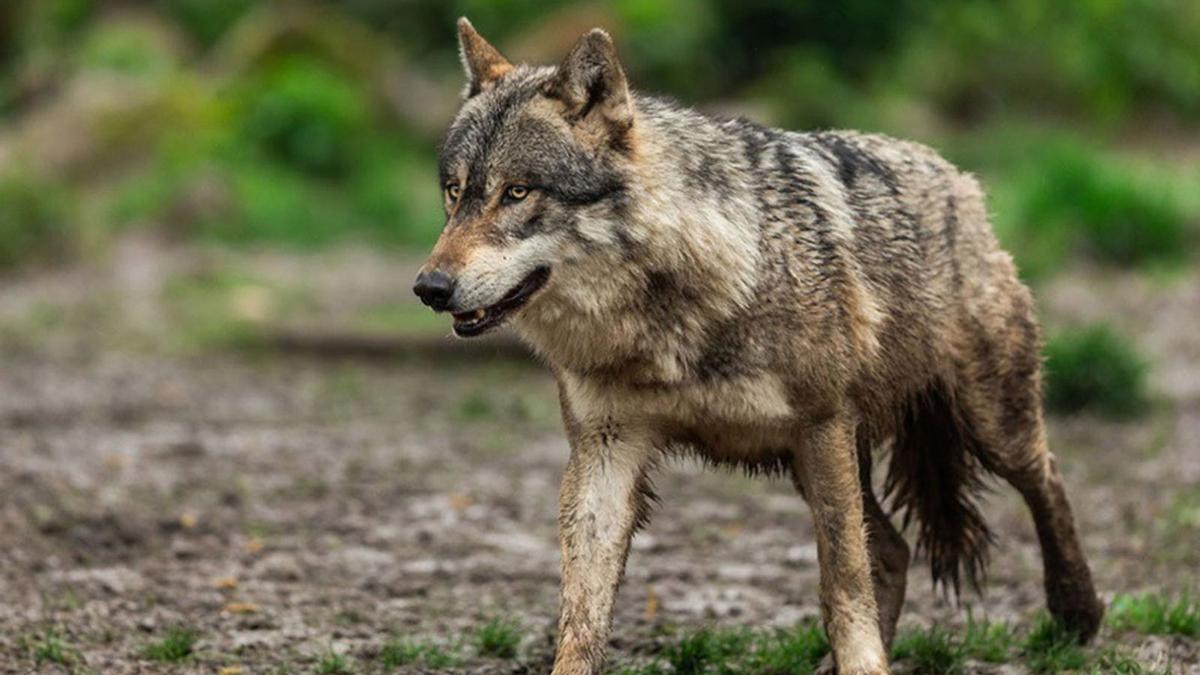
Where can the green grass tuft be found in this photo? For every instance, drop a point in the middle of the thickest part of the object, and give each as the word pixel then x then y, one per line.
pixel 1152 614
pixel 737 652
pixel 1117 661
pixel 695 653
pixel 936 650
pixel 988 641
pixel 398 652
pixel 799 650
pixel 1051 648
pixel 498 638
pixel 50 647
pixel 929 651
pixel 177 645
pixel 333 663
pixel 1095 369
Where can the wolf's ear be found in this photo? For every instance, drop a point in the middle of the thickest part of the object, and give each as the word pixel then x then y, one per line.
pixel 592 86
pixel 483 63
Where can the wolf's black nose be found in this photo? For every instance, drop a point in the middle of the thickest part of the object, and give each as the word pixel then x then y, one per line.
pixel 434 288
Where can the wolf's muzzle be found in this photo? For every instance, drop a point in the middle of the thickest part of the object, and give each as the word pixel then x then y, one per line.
pixel 435 289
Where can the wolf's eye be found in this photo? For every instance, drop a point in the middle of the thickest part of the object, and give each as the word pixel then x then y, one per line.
pixel 516 193
pixel 453 191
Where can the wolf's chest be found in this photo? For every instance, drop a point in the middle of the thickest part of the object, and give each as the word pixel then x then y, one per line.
pixel 752 402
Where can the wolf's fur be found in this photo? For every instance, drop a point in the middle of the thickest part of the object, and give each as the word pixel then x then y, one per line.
pixel 779 301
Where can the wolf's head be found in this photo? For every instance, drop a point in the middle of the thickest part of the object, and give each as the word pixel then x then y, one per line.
pixel 534 173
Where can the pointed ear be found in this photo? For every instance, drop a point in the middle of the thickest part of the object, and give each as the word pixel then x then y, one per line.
pixel 592 86
pixel 483 63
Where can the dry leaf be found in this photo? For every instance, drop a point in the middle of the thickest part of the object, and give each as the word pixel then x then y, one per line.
pixel 651 605
pixel 231 670
pixel 188 521
pixel 254 545
pixel 240 608
pixel 225 583
pixel 460 502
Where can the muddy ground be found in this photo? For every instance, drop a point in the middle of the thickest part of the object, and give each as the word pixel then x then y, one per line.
pixel 286 504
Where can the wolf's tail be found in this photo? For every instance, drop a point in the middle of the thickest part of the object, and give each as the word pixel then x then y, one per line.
pixel 935 476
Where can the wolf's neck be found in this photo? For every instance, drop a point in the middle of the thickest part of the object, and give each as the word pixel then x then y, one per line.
pixel 691 263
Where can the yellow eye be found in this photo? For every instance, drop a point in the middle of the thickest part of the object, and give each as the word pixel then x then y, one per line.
pixel 454 191
pixel 517 192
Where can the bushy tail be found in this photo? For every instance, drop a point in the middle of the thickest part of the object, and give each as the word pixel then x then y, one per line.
pixel 935 476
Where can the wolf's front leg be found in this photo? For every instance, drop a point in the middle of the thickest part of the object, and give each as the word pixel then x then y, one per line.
pixel 604 494
pixel 827 472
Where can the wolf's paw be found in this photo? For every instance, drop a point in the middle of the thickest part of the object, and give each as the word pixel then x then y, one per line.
pixel 1078 609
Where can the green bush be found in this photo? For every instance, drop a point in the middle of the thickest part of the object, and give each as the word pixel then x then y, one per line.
pixel 35 221
pixel 1055 198
pixel 1120 218
pixel 1096 370
pixel 308 115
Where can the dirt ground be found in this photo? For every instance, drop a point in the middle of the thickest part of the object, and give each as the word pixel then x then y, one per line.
pixel 286 505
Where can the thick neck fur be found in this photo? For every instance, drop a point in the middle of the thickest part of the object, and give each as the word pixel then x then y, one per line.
pixel 678 257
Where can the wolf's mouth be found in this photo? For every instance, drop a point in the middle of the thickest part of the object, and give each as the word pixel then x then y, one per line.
pixel 479 321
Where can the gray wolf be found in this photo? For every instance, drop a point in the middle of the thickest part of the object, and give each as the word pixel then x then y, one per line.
pixel 792 303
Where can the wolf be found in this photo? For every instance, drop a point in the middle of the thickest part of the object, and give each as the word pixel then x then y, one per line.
pixel 802 304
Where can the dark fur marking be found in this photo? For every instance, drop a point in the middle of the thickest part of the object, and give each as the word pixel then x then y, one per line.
pixel 852 162
pixel 724 354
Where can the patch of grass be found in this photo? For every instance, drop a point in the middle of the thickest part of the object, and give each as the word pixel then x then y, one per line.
pixel 50 647
pixel 987 641
pixel 695 654
pixel 474 407
pixel 1095 369
pixel 937 650
pixel 934 650
pixel 398 652
pixel 1152 614
pixel 498 638
pixel 1051 648
pixel 1116 661
pixel 177 645
pixel 333 663
pixel 798 650
pixel 1184 512
pixel 738 651
pixel 224 308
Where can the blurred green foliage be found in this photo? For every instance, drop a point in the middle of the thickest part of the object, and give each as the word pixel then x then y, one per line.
pixel 1097 370
pixel 306 115
pixel 255 129
pixel 34 217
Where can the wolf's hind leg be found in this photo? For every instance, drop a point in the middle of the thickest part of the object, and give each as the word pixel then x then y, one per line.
pixel 1070 594
pixel 889 563
pixel 1001 394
